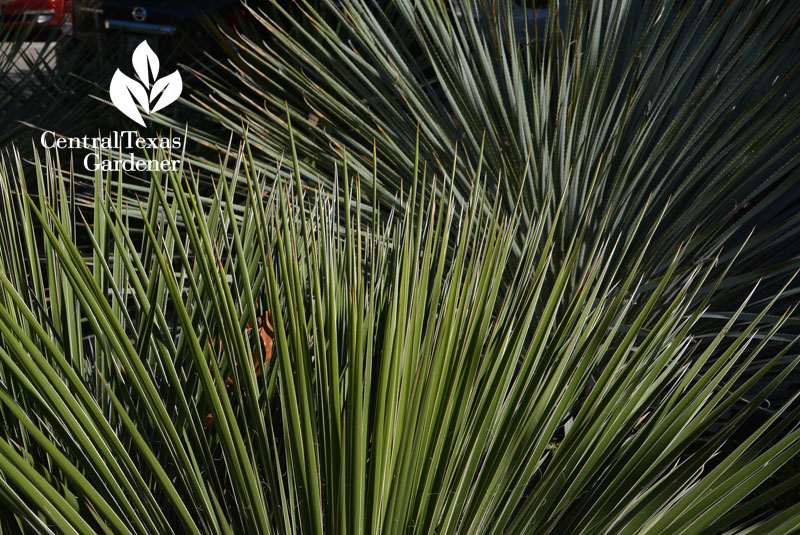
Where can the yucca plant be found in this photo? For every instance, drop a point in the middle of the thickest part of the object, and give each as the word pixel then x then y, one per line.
pixel 696 103
pixel 272 362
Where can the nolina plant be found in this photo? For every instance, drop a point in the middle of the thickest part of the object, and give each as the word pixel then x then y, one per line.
pixel 281 363
pixel 697 102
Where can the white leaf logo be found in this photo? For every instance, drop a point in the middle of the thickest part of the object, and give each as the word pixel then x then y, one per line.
pixel 126 92
pixel 169 87
pixel 144 57
pixel 123 91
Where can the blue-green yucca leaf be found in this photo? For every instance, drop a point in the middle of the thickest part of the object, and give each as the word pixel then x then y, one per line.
pixel 273 360
pixel 696 102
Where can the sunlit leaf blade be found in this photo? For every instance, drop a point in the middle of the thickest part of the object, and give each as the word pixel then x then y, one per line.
pixel 416 383
pixel 697 102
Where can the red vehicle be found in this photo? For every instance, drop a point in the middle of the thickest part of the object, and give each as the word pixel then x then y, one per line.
pixel 41 14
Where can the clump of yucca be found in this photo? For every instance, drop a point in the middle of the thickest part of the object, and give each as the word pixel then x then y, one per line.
pixel 418 381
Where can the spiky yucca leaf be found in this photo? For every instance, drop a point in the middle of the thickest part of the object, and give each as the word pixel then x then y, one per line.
pixel 693 101
pixel 409 388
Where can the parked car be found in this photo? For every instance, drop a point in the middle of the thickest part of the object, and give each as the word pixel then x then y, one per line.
pixel 41 14
pixel 175 29
pixel 163 17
